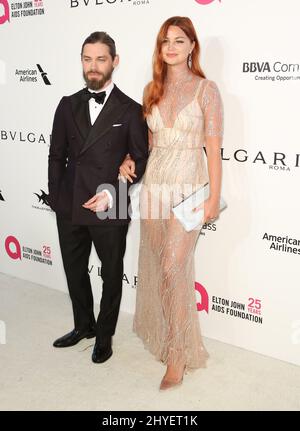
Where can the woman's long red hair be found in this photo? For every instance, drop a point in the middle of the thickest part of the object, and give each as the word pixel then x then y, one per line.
pixel 155 89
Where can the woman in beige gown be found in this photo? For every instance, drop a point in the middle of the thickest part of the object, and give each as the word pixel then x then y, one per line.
pixel 184 113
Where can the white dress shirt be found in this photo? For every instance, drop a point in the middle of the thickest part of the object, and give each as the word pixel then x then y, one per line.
pixel 95 109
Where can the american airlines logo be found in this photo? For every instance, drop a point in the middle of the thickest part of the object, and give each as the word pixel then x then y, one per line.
pixel 44 75
pixel 31 75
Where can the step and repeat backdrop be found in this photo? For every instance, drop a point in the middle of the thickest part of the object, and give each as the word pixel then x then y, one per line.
pixel 248 261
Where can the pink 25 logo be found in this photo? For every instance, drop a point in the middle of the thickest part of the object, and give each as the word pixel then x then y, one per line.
pixel 204 2
pixel 5 17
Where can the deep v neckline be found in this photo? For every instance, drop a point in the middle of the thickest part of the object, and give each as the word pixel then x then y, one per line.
pixel 182 109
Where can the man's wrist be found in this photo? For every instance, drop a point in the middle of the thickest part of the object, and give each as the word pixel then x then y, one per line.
pixel 110 198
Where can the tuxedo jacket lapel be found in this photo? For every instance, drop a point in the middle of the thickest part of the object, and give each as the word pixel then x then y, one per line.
pixel 81 114
pixel 114 108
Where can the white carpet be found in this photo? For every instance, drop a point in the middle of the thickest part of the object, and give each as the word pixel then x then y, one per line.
pixel 36 376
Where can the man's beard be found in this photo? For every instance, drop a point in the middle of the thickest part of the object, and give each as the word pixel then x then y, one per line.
pixel 97 83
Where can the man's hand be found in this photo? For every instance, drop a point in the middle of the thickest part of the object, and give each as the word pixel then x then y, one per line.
pixel 99 202
pixel 127 169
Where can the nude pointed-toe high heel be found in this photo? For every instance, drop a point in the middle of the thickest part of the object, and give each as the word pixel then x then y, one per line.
pixel 166 383
pixel 169 384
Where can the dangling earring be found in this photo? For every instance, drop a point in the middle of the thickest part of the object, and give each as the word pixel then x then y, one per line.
pixel 189 60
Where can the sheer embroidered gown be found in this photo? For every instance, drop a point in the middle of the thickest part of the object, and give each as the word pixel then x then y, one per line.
pixel 166 316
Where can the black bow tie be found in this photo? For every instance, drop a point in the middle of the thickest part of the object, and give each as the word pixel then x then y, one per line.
pixel 99 97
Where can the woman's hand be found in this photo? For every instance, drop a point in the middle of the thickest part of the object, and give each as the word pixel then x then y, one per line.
pixel 127 169
pixel 211 209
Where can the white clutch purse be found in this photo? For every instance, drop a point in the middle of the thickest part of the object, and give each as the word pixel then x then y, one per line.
pixel 184 210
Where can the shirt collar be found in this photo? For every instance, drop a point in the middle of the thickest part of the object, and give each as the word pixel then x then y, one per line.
pixel 107 89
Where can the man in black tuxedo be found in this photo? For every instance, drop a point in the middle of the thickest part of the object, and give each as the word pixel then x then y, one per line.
pixel 93 131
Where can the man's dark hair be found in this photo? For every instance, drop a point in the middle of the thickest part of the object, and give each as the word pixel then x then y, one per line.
pixel 102 37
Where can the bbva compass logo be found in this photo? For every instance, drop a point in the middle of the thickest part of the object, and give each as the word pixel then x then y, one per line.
pixel 205 2
pixel 4 11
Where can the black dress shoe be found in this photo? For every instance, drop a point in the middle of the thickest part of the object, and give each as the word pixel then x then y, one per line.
pixel 74 337
pixel 102 351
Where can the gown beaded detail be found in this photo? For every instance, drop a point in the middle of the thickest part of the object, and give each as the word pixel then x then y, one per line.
pixel 166 316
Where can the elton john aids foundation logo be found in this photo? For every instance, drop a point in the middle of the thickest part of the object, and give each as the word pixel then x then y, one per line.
pixel 203 305
pixel 204 2
pixel 4 11
pixel 13 247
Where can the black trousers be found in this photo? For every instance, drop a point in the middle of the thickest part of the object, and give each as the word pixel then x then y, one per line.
pixel 110 244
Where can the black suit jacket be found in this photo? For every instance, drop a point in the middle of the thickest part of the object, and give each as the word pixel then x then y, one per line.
pixel 84 159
